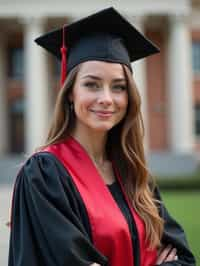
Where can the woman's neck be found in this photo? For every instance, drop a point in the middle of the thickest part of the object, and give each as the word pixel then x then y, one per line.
pixel 94 143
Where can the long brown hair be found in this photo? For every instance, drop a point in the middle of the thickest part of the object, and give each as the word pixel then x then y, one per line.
pixel 129 155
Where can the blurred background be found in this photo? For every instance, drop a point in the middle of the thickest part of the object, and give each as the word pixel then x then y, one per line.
pixel 169 84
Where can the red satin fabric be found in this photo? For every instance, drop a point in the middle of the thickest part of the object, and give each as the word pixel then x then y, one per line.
pixel 110 232
pixel 63 51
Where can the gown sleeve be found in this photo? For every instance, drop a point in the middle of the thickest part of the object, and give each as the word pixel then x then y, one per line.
pixel 174 234
pixel 46 224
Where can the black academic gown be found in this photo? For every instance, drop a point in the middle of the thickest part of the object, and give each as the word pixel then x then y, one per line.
pixel 50 226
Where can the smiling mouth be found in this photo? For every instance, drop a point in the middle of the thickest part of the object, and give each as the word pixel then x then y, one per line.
pixel 103 113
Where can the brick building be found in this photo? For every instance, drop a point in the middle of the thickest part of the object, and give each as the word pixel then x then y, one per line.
pixel 169 82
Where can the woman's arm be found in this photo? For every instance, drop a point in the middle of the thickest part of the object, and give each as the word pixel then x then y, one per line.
pixel 45 230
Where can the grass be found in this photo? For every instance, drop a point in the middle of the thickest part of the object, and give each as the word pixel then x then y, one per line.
pixel 185 208
pixel 191 181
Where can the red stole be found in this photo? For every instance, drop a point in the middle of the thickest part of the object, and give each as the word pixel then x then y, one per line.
pixel 110 232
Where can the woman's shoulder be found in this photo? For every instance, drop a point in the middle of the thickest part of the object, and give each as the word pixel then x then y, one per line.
pixel 41 166
pixel 41 157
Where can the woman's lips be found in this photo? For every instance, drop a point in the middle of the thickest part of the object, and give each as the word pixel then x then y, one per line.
pixel 103 114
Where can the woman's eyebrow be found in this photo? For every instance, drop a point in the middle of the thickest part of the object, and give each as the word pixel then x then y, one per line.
pixel 119 80
pixel 91 76
pixel 98 78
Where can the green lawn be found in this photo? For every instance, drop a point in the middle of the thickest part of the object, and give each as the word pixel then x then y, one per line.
pixel 185 208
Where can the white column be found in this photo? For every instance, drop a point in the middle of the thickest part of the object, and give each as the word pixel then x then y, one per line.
pixel 36 86
pixel 139 75
pixel 180 86
pixel 3 100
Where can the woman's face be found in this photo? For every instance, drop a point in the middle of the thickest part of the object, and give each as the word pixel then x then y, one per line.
pixel 99 96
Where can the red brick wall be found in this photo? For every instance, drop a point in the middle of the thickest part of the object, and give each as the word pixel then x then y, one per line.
pixel 156 92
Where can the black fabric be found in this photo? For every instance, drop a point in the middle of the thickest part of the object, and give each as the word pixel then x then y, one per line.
pixel 104 36
pixel 173 233
pixel 119 198
pixel 50 225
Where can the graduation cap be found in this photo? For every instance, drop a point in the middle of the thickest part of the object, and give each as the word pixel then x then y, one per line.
pixel 103 36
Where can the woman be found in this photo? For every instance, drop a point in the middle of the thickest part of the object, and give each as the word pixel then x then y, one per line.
pixel 86 197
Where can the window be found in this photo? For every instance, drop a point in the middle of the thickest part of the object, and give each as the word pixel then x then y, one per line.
pixel 17 106
pixel 57 66
pixel 17 63
pixel 196 57
pixel 197 119
pixel 16 113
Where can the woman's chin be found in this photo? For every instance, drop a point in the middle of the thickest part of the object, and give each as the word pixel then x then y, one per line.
pixel 102 128
pixel 97 126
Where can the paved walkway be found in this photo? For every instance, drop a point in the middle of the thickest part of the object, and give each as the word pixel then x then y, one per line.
pixel 5 200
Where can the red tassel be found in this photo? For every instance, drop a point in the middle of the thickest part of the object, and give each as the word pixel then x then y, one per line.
pixel 63 50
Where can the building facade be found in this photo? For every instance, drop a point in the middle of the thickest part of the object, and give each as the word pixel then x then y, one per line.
pixel 169 82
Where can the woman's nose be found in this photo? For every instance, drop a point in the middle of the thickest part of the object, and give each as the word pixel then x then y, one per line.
pixel 105 97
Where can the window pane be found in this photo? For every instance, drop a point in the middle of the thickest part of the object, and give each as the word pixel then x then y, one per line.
pixel 17 63
pixel 196 56
pixel 197 119
pixel 57 66
pixel 17 106
pixel 16 113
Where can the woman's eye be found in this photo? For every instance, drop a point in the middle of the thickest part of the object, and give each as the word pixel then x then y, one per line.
pixel 119 87
pixel 93 85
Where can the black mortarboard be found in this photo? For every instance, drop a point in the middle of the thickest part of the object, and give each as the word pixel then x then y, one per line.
pixel 104 36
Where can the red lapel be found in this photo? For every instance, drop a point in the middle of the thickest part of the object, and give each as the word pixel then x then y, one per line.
pixel 109 228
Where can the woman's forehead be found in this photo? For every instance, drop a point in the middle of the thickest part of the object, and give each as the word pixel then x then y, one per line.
pixel 101 68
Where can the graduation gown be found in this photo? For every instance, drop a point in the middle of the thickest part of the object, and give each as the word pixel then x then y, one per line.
pixel 50 223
